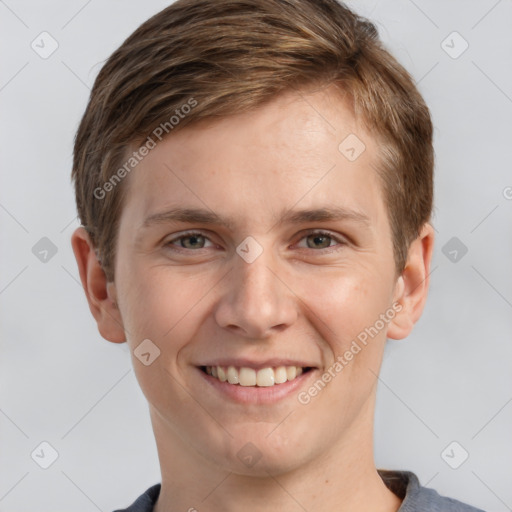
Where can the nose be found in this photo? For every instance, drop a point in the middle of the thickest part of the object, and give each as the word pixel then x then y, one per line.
pixel 256 301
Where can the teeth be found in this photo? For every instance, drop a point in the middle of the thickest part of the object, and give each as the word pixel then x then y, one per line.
pixel 280 376
pixel 221 374
pixel 265 377
pixel 232 375
pixel 291 372
pixel 247 377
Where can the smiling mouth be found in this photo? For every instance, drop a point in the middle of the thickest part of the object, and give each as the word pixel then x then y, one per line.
pixel 249 377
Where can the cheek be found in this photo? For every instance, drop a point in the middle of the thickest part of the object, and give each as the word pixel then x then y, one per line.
pixel 342 304
pixel 343 310
pixel 159 302
pixel 162 306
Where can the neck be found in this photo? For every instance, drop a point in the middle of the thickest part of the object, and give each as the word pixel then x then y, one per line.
pixel 343 479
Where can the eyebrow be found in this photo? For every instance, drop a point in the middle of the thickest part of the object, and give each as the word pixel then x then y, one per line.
pixel 203 216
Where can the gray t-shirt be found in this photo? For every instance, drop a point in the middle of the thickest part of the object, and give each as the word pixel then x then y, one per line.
pixel 403 483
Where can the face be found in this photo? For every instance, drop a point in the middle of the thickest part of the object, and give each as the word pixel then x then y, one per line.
pixel 258 242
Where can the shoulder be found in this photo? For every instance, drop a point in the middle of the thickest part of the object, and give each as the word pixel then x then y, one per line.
pixel 145 502
pixel 406 486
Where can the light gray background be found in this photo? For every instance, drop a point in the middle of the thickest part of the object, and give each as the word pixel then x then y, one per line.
pixel 451 380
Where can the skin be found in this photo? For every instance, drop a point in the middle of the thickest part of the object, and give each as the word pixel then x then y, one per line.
pixel 297 299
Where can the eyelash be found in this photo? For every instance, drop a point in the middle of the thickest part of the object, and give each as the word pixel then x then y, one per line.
pixel 340 241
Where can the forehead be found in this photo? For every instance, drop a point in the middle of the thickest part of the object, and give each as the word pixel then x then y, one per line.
pixel 303 148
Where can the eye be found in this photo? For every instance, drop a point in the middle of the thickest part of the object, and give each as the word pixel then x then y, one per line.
pixel 190 241
pixel 321 240
pixel 312 240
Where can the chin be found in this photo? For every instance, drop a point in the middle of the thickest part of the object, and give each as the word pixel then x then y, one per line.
pixel 259 450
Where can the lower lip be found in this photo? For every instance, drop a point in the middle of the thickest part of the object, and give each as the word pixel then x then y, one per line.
pixel 257 394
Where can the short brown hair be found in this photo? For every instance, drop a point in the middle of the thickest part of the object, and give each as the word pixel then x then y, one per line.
pixel 231 56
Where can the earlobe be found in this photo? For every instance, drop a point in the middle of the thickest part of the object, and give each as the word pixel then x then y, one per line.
pixel 412 286
pixel 100 294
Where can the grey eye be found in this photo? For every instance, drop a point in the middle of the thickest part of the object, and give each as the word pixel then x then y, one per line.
pixel 192 241
pixel 318 241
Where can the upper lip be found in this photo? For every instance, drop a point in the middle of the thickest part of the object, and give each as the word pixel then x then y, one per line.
pixel 256 365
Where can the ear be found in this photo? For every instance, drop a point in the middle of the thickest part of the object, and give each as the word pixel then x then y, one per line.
pixel 101 294
pixel 412 286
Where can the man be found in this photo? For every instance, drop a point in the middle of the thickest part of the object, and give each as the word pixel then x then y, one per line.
pixel 254 180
